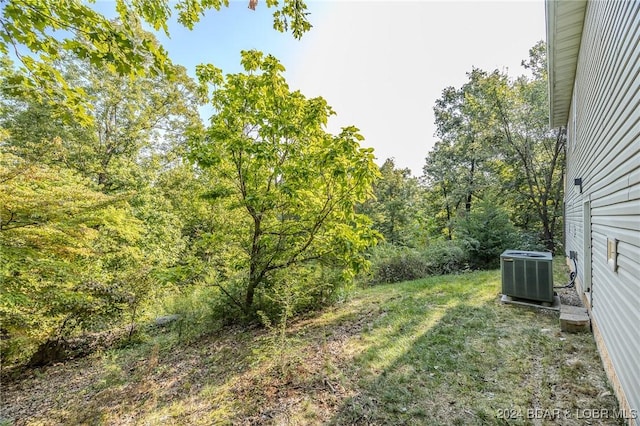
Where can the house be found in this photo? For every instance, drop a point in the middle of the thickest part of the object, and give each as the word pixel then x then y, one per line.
pixel 594 81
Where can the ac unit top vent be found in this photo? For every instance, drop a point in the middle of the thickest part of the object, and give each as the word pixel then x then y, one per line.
pixel 526 254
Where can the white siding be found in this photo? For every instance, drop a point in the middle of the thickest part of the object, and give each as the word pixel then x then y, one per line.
pixel 603 149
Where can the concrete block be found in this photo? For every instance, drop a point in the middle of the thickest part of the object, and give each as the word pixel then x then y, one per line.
pixel 574 319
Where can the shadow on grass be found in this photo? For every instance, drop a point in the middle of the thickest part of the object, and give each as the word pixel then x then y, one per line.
pixel 475 362
pixel 436 351
pixel 160 380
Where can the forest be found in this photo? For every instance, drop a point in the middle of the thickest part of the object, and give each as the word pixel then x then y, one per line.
pixel 120 203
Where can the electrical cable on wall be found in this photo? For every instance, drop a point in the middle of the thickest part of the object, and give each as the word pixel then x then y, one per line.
pixel 572 277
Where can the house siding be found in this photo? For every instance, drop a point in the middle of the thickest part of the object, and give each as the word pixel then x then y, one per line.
pixel 603 149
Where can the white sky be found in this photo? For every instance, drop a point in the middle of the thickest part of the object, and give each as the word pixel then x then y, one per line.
pixel 381 65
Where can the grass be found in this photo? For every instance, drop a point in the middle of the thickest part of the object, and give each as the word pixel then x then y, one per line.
pixel 441 350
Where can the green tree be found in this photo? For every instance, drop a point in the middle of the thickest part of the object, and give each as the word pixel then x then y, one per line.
pixel 533 155
pixel 137 130
pixel 494 135
pixel 56 234
pixel 486 233
pixel 207 257
pixel 48 29
pixel 292 185
pixel 132 120
pixel 130 238
pixel 73 257
pixel 464 124
pixel 442 182
pixel 394 210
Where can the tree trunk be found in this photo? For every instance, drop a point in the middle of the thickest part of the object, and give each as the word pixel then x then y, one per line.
pixel 255 274
pixel 467 204
pixel 448 209
pixel 250 294
pixel 548 237
pixel 102 179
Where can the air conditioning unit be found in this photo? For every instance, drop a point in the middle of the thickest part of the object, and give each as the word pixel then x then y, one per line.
pixel 527 275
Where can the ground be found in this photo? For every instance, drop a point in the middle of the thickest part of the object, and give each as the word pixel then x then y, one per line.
pixel 442 350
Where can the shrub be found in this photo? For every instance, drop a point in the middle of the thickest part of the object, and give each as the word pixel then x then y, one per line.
pixel 485 233
pixel 530 241
pixel 299 289
pixel 392 264
pixel 200 310
pixel 403 264
pixel 446 257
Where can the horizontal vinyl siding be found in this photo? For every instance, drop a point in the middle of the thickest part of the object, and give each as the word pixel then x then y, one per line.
pixel 603 149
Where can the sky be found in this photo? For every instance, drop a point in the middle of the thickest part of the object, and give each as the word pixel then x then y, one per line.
pixel 381 65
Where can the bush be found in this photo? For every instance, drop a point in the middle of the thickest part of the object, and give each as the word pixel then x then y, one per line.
pixel 200 308
pixel 401 264
pixel 485 233
pixel 446 257
pixel 391 264
pixel 216 301
pixel 299 289
pixel 530 241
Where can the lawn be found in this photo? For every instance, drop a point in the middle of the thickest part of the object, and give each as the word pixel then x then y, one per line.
pixel 441 350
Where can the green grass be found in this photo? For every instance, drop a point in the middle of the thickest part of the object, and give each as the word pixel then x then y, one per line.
pixel 441 350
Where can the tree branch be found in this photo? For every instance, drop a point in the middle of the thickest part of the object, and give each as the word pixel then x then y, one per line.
pixel 233 299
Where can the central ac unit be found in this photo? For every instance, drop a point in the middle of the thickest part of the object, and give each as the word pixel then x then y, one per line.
pixel 527 275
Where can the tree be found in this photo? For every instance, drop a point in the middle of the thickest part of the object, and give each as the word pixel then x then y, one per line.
pixel 494 134
pixel 132 120
pixel 56 235
pixel 464 126
pixel 533 155
pixel 73 257
pixel 459 166
pixel 87 234
pixel 41 27
pixel 137 127
pixel 291 185
pixel 441 179
pixel 486 233
pixel 394 210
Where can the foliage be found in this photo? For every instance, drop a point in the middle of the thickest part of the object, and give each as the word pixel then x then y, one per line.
pixel 101 216
pixel 199 310
pixel 57 234
pixel 202 255
pixel 74 258
pixel 132 122
pixel 460 160
pixel 89 187
pixel 300 289
pixel 395 210
pixel 396 264
pixel 485 234
pixel 391 264
pixel 494 136
pixel 534 156
pixel 446 257
pixel 290 184
pixel 48 30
